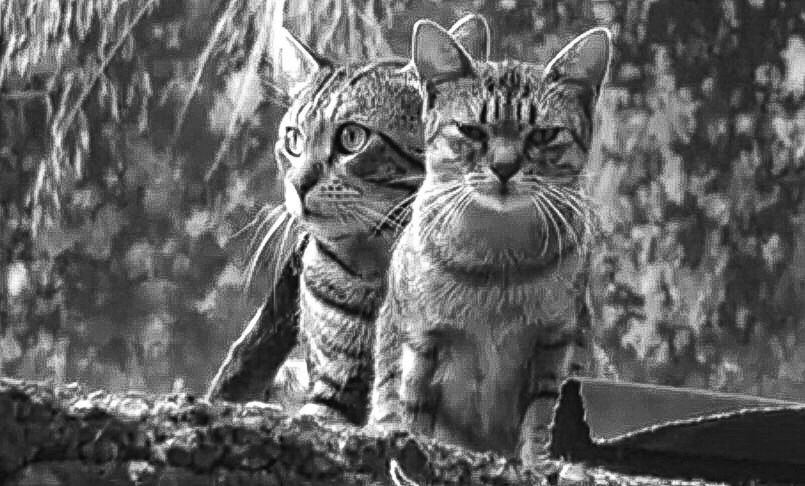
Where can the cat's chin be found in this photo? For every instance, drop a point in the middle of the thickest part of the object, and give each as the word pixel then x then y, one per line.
pixel 498 231
pixel 501 221
pixel 475 257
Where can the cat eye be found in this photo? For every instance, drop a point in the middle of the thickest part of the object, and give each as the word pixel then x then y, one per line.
pixel 294 142
pixel 473 132
pixel 546 144
pixel 351 138
pixel 544 136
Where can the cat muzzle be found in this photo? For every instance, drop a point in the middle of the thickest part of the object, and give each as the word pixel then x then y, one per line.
pixel 505 170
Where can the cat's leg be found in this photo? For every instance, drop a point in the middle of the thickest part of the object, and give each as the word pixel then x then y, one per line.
pixel 386 412
pixel 339 385
pixel 535 428
pixel 419 395
pixel 339 358
pixel 555 360
pixel 252 362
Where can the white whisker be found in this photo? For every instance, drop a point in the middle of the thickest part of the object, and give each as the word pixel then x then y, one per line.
pixel 450 209
pixel 581 206
pixel 413 178
pixel 281 256
pixel 378 219
pixel 397 207
pixel 370 218
pixel 258 219
pixel 553 223
pixel 463 202
pixel 543 217
pixel 434 209
pixel 264 221
pixel 570 229
pixel 281 219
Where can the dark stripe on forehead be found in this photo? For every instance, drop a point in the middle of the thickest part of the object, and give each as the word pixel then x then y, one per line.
pixel 315 95
pixel 327 86
pixel 512 79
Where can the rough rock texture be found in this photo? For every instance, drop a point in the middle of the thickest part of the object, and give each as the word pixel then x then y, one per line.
pixel 61 436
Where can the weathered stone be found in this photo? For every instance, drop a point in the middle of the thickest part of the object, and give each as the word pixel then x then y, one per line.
pixel 105 446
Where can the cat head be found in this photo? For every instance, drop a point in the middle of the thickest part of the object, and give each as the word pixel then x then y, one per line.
pixel 350 146
pixel 506 146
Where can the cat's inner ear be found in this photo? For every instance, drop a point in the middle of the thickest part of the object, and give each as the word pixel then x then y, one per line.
pixel 436 54
pixel 472 32
pixel 294 62
pixel 586 58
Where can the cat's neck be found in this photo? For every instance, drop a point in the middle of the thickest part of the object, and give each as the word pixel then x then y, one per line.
pixel 360 257
pixel 327 279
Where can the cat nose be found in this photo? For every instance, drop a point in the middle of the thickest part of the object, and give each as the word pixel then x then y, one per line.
pixel 504 170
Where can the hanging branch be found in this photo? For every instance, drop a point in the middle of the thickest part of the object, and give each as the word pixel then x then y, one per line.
pixel 226 18
pixel 269 25
pixel 85 92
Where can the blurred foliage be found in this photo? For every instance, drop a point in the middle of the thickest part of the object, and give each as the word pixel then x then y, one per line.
pixel 135 143
pixel 115 268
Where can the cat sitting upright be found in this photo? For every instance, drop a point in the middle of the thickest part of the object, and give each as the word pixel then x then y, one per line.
pixel 485 313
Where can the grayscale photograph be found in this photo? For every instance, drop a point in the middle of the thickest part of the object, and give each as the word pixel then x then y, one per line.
pixel 402 242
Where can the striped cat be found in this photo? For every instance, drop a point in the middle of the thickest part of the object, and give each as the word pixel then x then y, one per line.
pixel 485 313
pixel 350 151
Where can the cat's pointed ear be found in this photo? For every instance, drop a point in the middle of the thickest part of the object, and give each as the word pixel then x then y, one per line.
pixel 472 32
pixel 585 58
pixel 294 61
pixel 436 54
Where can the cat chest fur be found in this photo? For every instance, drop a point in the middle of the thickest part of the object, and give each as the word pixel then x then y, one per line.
pixel 337 311
pixel 480 350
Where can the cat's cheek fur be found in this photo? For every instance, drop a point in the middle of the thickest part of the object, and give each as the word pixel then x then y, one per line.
pixel 292 201
pixel 442 151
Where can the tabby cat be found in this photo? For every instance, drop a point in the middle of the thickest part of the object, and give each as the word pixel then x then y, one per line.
pixel 350 151
pixel 485 312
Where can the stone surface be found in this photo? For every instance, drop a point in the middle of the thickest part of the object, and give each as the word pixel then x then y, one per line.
pixel 48 440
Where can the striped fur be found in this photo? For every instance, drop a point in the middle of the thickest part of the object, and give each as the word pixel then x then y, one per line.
pixel 350 150
pixel 486 310
pixel 343 201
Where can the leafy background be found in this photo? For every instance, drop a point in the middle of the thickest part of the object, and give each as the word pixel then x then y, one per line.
pixel 135 142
